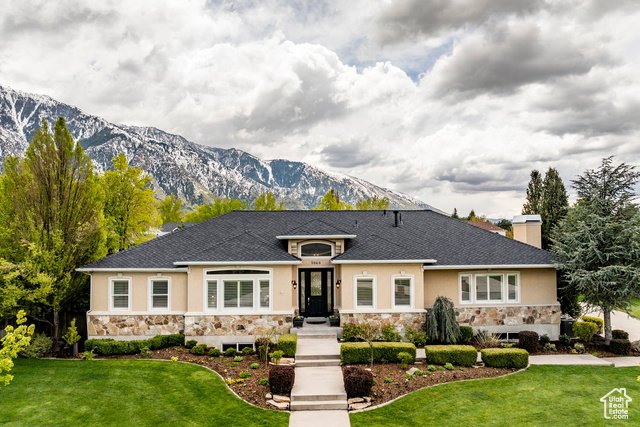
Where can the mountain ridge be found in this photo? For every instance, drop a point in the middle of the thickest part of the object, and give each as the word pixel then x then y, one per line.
pixel 196 173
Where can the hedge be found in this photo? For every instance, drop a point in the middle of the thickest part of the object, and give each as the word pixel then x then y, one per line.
pixel 360 352
pixel 357 381
pixel 288 343
pixel 281 379
pixel 466 334
pixel 620 346
pixel 463 355
pixel 599 322
pixel 505 357
pixel 110 346
pixel 528 340
pixel 619 334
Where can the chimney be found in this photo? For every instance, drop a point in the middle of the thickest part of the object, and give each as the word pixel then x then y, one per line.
pixel 528 229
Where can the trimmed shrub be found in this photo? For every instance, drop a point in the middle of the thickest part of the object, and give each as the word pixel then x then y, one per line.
pixel 350 332
pixel 359 352
pixel 288 344
pixel 390 335
pixel 214 352
pixel 463 355
pixel 448 367
pixel 190 344
pixel 39 346
pixel 466 334
pixel 262 353
pixel 110 346
pixel 247 351
pixel 528 340
pixel 517 358
pixel 405 359
pixel 263 381
pixel 544 339
pixel 199 350
pixel 230 352
pixel 419 339
pixel 254 366
pixel 598 322
pixel 357 381
pixel 238 359
pixel 585 330
pixel 281 379
pixel 620 346
pixel 619 334
pixel 564 339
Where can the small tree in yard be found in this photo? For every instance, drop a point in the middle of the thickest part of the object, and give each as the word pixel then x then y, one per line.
pixel 72 337
pixel 441 324
pixel 14 342
pixel 598 241
pixel 369 333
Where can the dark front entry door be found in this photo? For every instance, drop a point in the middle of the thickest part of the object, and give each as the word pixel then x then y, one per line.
pixel 316 296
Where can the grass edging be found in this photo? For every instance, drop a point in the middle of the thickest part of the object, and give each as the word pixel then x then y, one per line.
pixel 370 408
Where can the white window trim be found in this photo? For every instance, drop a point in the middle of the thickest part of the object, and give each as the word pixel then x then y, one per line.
pixel 119 278
pixel 412 288
pixel 355 291
pixel 488 300
pixel 150 281
pixel 471 299
pixel 220 289
pixel 324 242
pixel 505 288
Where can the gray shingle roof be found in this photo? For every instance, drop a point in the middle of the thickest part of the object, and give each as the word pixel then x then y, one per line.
pixel 250 236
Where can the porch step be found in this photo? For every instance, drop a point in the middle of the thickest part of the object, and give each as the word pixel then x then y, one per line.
pixel 320 335
pixel 316 356
pixel 318 398
pixel 318 405
pixel 317 362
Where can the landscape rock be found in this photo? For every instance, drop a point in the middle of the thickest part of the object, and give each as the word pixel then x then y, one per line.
pixel 281 399
pixel 358 406
pixel 268 396
pixel 367 399
pixel 279 405
pixel 355 400
pixel 635 345
pixel 412 371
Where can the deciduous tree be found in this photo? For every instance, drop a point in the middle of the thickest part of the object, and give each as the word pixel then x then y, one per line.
pixel 169 209
pixel 533 205
pixel 130 207
pixel 370 204
pixel 267 202
pixel 13 342
pixel 331 202
pixel 218 207
pixel 51 216
pixel 598 241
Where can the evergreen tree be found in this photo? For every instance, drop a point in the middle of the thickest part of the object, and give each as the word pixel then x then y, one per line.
pixel 370 204
pixel 554 204
pixel 267 202
pixel 130 206
pixel 51 219
pixel 218 207
pixel 455 214
pixel 533 206
pixel 598 241
pixel 331 202
pixel 169 209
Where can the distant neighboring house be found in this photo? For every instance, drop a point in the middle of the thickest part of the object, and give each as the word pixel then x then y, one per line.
pixel 173 226
pixel 224 281
pixel 489 227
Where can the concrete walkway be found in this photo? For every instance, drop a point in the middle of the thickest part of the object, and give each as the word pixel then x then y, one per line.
pixel 621 320
pixel 568 359
pixel 318 397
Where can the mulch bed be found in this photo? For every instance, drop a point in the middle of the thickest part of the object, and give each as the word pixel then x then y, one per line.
pixel 596 348
pixel 384 391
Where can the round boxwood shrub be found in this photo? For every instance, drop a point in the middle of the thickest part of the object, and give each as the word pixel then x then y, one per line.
pixel 357 381
pixel 620 346
pixel 230 352
pixel 214 352
pixel 585 330
pixel 528 340
pixel 199 349
pixel 595 320
pixel 466 333
pixel 191 343
pixel 619 334
pixel 281 378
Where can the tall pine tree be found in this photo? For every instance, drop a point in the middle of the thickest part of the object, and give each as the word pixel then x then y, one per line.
pixel 554 205
pixel 533 206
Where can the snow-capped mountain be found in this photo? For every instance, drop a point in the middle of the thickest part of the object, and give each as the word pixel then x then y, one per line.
pixel 194 172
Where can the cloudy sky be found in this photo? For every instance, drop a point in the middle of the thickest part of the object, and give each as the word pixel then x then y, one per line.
pixel 451 101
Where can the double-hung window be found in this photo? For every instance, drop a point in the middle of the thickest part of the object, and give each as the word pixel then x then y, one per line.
pixel 159 293
pixel 365 292
pixel 239 290
pixel 481 288
pixel 402 292
pixel 120 290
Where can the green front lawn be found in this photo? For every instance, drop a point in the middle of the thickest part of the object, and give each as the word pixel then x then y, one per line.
pixel 124 392
pixel 635 308
pixel 542 395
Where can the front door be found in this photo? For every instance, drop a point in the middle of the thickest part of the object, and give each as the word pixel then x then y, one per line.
pixel 316 292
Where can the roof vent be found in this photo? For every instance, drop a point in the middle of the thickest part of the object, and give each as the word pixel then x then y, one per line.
pixel 395 213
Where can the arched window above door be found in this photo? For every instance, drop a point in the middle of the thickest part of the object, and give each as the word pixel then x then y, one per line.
pixel 316 249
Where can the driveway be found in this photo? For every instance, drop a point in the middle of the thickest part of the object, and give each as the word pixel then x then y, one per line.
pixel 621 320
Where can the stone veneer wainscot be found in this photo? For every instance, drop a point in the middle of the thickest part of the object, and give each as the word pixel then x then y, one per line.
pixel 236 325
pixel 400 321
pixel 135 325
pixel 508 315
